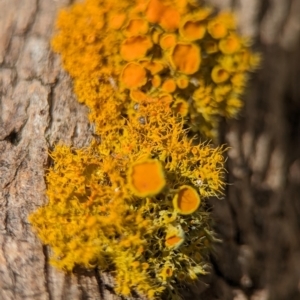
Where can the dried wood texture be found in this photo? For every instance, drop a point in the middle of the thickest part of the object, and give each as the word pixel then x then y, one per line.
pixel 258 220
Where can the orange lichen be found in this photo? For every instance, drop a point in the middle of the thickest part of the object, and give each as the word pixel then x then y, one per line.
pixel 133 75
pixel 168 37
pixel 156 81
pixel 186 200
pixel 186 58
pixel 146 177
pixel 136 27
pixel 138 96
pixel 156 34
pixel 167 16
pixel 155 10
pixel 169 85
pixel 135 47
pixel 166 99
pixel 173 241
pixel 116 21
pixel 170 19
pixel 154 66
pixel 193 30
pixel 168 41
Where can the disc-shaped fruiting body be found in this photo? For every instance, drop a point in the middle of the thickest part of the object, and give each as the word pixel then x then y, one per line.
pixel 135 47
pixel 182 81
pixel 137 26
pixel 230 44
pixel 181 107
pixel 174 237
pixel 186 58
pixel 169 85
pixel 166 16
pixel 193 27
pixel 187 200
pixel 133 75
pixel 146 177
pixel 219 74
pixel 168 41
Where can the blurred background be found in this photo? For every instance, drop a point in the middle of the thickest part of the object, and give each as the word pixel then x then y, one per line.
pixel 258 220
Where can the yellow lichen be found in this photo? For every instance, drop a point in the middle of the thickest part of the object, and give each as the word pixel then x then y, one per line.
pixel 218 74
pixel 99 214
pixel 174 237
pixel 230 44
pixel 181 107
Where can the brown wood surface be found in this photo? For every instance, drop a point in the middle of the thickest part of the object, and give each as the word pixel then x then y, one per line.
pixel 258 220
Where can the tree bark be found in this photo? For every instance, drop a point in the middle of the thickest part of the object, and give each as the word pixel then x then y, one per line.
pixel 258 220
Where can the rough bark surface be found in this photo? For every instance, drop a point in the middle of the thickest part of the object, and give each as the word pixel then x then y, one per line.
pixel 258 220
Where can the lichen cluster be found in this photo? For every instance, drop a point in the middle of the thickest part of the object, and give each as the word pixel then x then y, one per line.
pixel 133 206
pixel 175 51
pixel 132 202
